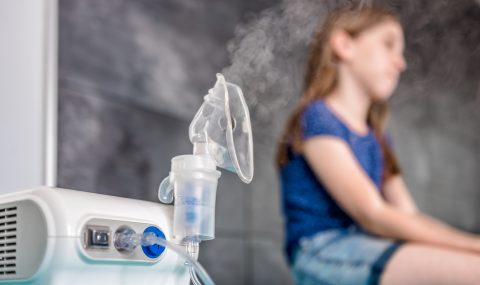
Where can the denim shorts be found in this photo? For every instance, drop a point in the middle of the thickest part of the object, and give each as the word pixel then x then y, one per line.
pixel 342 257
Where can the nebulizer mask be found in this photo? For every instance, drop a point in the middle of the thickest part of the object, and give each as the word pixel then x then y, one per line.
pixel 221 135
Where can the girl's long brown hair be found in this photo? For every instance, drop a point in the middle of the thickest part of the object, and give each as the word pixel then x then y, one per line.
pixel 321 79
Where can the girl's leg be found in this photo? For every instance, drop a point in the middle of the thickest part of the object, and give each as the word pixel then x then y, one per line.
pixel 423 264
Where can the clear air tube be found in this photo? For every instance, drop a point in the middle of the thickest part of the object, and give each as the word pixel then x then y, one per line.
pixel 130 240
pixel 193 248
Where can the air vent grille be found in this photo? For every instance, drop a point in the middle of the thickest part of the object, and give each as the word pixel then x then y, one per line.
pixel 8 242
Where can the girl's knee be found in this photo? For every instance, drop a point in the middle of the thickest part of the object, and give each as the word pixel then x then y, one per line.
pixel 424 264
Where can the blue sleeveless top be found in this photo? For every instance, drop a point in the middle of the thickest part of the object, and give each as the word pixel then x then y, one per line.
pixel 307 206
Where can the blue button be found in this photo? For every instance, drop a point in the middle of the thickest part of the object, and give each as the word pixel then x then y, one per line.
pixel 155 250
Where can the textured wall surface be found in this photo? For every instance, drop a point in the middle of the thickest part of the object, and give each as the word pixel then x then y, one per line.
pixel 132 74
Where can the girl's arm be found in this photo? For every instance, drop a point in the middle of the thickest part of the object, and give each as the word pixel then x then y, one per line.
pixel 335 165
pixel 396 194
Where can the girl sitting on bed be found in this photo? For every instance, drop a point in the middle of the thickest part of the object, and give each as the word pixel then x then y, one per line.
pixel 349 216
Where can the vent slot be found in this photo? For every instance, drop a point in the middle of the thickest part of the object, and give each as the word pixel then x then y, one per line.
pixel 8 242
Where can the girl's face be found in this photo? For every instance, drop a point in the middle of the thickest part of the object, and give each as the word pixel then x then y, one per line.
pixel 377 59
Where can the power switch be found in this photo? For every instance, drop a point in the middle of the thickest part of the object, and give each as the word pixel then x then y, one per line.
pixel 98 237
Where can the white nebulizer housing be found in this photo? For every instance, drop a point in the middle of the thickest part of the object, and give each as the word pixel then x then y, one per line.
pixel 53 236
pixel 221 136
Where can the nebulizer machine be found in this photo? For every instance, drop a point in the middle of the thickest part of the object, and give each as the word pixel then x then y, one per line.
pixel 59 236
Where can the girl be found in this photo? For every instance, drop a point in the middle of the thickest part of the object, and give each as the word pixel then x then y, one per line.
pixel 349 216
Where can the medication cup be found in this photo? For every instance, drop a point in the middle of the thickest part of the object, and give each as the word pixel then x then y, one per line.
pixel 192 182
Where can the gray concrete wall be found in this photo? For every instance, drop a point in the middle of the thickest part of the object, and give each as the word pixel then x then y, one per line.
pixel 132 74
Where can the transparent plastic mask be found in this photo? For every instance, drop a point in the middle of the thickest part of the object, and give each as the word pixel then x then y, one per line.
pixel 223 124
